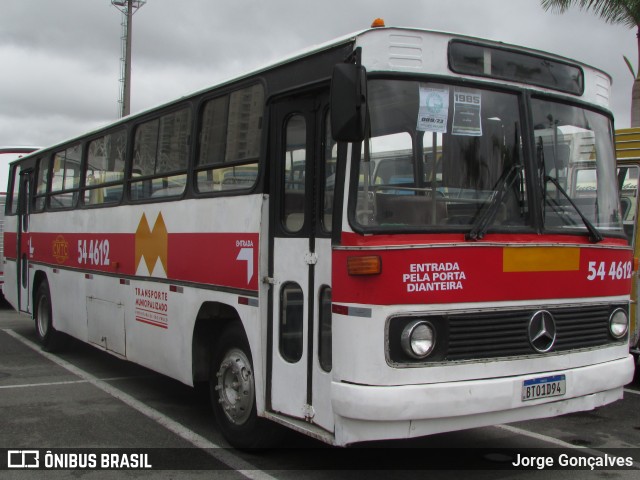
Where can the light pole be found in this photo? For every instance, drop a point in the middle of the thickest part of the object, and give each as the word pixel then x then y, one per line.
pixel 128 8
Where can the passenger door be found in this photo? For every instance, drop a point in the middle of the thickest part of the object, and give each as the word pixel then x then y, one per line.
pixel 300 270
pixel 25 248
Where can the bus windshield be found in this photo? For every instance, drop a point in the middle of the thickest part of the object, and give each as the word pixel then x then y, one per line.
pixel 575 156
pixel 450 158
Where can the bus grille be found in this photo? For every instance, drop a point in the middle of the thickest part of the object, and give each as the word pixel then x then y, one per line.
pixel 504 333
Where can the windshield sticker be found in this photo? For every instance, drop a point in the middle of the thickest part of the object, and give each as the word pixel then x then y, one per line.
pixel 434 109
pixel 466 114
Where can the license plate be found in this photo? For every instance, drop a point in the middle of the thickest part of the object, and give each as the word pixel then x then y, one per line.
pixel 543 387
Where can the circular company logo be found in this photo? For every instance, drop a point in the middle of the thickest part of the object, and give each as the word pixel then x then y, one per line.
pixel 60 249
pixel 542 331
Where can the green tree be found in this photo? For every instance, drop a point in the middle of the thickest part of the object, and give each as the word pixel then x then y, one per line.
pixel 624 12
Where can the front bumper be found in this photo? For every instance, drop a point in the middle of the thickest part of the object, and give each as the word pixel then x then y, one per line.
pixel 382 412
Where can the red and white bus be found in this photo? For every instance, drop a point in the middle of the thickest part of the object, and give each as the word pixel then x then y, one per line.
pixel 382 237
pixel 7 155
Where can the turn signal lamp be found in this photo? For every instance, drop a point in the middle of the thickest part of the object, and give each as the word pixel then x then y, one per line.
pixel 369 265
pixel 378 23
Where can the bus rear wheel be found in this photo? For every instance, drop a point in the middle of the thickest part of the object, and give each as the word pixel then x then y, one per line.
pixel 233 395
pixel 50 339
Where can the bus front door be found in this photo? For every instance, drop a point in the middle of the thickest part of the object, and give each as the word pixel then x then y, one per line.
pixel 300 263
pixel 25 248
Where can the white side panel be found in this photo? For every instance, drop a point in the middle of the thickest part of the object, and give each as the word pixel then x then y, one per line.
pixel 105 321
pixel 149 321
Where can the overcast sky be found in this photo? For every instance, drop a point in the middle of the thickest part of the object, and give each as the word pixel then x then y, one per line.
pixel 60 59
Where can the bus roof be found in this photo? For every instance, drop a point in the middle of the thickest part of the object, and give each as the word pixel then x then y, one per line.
pixel 345 40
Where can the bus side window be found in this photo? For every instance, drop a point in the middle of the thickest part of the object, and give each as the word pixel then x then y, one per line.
pixel 328 178
pixel 325 354
pixel 105 169
pixel 161 155
pixel 42 180
pixel 291 322
pixel 293 216
pixel 15 189
pixel 65 177
pixel 629 200
pixel 229 141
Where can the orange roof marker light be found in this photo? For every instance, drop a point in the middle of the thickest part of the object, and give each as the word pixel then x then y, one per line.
pixel 378 23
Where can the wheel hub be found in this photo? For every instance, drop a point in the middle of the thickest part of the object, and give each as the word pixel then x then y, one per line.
pixel 235 386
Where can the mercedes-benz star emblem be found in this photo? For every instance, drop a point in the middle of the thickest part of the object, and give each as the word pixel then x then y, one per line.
pixel 542 331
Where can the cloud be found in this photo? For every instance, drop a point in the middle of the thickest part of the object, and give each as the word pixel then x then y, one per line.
pixel 61 63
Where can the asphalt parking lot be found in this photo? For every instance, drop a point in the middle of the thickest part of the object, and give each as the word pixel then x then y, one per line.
pixel 83 400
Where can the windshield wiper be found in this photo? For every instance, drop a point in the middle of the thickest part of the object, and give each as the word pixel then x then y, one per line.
pixel 594 235
pixel 490 208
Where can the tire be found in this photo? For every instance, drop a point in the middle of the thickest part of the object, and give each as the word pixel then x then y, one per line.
pixel 233 395
pixel 50 339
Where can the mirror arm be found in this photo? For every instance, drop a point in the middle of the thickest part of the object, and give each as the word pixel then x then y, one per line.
pixel 355 57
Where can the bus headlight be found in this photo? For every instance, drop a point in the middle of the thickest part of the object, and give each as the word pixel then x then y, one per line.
pixel 618 323
pixel 418 339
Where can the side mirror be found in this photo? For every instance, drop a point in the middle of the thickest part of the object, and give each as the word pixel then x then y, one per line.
pixel 348 102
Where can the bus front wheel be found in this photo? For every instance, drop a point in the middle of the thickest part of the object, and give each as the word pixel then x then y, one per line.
pixel 233 395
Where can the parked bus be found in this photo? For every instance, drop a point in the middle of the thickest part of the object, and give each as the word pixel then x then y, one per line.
pixel 628 157
pixel 260 236
pixel 7 154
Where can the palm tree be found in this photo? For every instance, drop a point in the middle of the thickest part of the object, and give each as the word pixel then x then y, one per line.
pixel 625 12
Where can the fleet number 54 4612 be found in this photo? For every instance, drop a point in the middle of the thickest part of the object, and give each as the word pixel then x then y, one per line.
pixel 97 252
pixel 613 270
